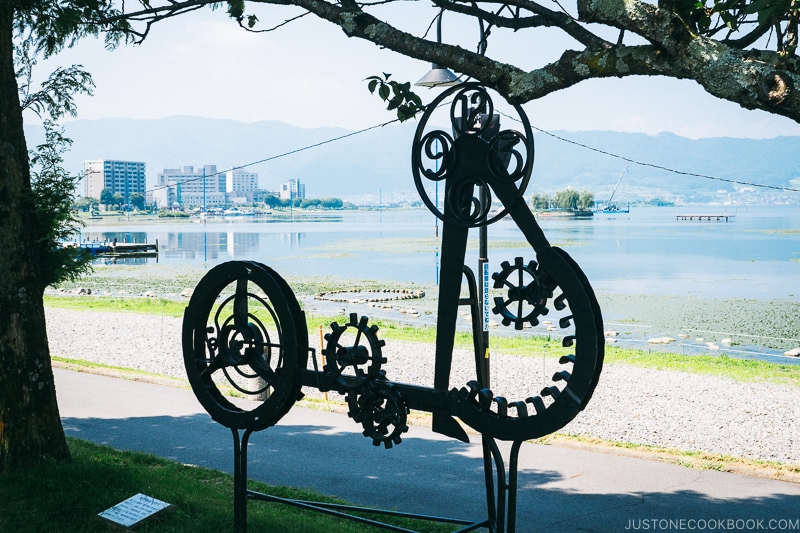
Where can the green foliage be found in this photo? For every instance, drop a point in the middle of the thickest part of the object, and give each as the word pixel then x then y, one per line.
pixel 399 96
pixel 566 199
pixel 52 190
pixel 272 201
pixel 137 200
pixel 86 203
pixel 167 213
pixel 55 96
pixel 106 197
pixel 540 201
pixel 586 200
pixel 66 497
pixel 47 26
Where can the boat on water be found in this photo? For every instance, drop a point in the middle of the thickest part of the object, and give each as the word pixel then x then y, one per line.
pixel 611 208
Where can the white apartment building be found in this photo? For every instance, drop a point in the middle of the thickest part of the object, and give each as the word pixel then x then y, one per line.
pixel 293 189
pixel 188 186
pixel 242 187
pixel 124 177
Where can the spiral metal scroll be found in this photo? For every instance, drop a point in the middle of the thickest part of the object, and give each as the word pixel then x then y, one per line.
pixel 477 155
pixel 243 328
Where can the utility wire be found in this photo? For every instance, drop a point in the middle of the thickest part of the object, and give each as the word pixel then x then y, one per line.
pixel 651 165
pixel 681 172
pixel 310 146
pixel 569 141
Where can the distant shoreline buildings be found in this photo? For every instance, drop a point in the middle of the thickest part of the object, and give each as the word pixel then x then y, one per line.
pixel 205 186
pixel 123 177
pixel 183 187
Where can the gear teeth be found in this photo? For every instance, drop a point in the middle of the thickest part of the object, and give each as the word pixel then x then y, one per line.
pixel 532 264
pixel 568 341
pixel 472 392
pixel 559 304
pixel 387 443
pixel 362 323
pixel 397 439
pixel 518 324
pixel 372 329
pixel 565 322
pixel 534 321
pixel 506 321
pixel 485 397
pixel 522 409
pixel 381 343
pixel 537 403
pixel 518 262
pixel 502 406
pixel 563 375
pixel 566 359
pixel 505 265
pixel 553 392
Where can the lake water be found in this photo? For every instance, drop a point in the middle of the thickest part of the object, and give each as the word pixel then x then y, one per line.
pixel 756 254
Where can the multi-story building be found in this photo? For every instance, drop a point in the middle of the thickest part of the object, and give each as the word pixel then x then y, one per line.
pixel 242 187
pixel 124 177
pixel 205 186
pixel 293 189
pixel 189 187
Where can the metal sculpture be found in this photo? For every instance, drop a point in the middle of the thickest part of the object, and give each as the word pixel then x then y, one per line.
pixel 244 322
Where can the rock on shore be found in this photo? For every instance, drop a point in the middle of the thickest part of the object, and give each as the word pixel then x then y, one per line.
pixel 643 406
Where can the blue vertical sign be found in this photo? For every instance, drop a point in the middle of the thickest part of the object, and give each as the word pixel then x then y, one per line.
pixel 486 296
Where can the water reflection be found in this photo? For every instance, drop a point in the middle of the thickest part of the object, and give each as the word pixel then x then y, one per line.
pixel 647 251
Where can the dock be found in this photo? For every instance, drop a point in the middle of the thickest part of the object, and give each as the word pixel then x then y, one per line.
pixel 132 249
pixel 721 217
pixel 118 249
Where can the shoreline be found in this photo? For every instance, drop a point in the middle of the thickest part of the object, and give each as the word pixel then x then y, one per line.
pixel 643 406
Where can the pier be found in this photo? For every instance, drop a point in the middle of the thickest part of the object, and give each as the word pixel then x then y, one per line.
pixel 118 249
pixel 724 217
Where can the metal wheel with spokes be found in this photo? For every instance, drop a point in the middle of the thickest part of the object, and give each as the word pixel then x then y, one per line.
pixel 243 329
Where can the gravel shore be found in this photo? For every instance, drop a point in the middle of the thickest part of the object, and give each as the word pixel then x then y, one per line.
pixel 643 406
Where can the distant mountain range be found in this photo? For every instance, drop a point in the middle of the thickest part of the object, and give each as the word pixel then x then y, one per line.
pixel 377 162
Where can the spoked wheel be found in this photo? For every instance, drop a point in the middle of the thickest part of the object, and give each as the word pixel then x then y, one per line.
pixel 244 330
pixel 555 286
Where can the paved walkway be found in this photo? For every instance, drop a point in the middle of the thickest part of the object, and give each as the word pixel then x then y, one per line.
pixel 560 489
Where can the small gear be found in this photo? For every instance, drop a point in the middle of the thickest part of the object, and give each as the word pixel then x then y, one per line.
pixel 530 294
pixel 362 354
pixel 383 415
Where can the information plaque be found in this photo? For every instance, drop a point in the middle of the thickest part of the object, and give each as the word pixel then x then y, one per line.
pixel 133 510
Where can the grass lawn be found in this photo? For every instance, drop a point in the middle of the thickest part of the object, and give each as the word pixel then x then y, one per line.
pixel 66 498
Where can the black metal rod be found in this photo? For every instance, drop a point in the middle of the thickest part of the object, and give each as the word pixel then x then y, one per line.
pixel 239 487
pixel 512 486
pixel 500 469
pixel 331 509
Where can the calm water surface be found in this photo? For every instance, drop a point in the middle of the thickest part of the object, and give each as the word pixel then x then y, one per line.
pixel 754 255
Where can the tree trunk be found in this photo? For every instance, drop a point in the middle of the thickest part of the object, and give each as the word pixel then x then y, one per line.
pixel 30 425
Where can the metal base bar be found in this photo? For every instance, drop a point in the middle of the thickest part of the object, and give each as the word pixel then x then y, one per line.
pixel 335 509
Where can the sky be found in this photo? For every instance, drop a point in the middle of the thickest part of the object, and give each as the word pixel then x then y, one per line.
pixel 309 74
